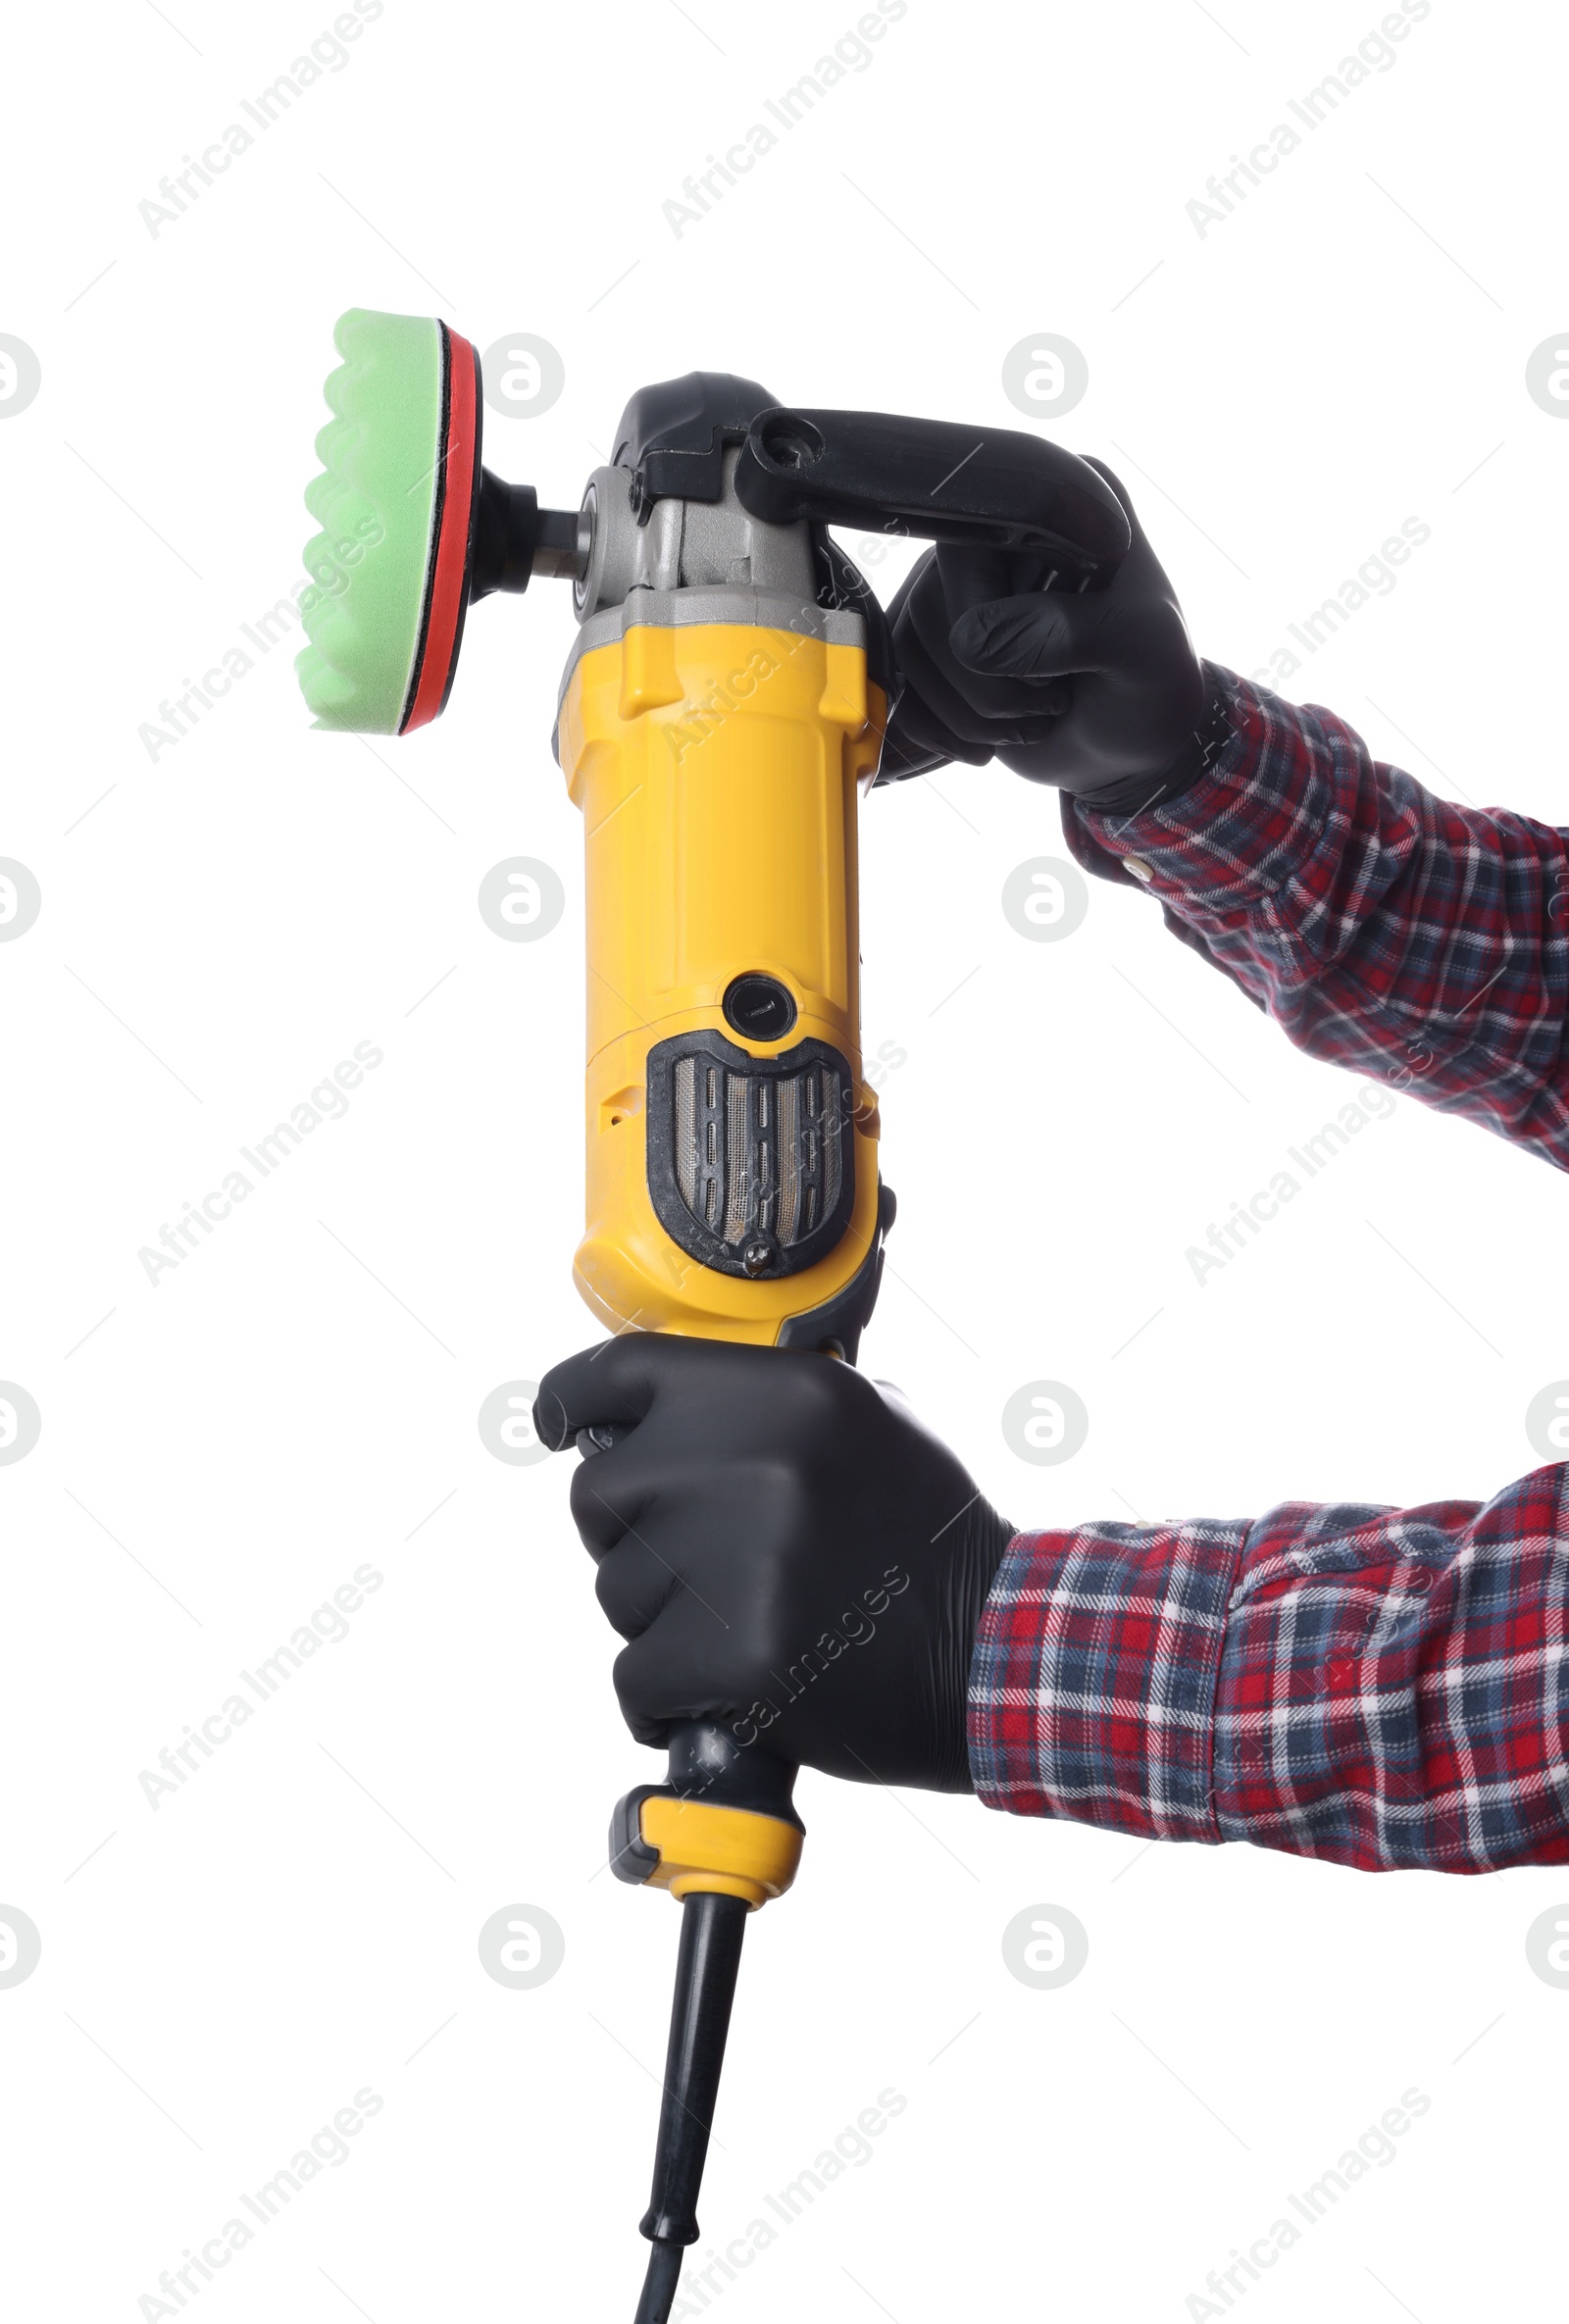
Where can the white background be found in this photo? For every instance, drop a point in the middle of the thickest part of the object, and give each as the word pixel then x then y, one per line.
pixel 218 928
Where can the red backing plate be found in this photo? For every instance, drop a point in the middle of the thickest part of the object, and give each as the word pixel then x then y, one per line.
pixel 447 592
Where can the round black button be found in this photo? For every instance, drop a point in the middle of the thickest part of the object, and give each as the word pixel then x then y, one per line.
pixel 759 1008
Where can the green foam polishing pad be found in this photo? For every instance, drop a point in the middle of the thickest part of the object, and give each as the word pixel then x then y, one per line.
pixel 396 499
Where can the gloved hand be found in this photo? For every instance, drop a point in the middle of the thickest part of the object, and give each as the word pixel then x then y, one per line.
pixel 786 1548
pixel 1098 693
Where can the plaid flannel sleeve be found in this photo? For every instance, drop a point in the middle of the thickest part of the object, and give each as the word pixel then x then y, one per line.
pixel 1381 928
pixel 1382 1688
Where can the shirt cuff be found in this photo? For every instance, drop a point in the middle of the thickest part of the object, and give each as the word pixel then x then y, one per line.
pixel 1248 828
pixel 1093 1679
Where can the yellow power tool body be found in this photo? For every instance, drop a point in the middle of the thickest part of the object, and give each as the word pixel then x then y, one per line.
pixel 721 709
pixel 717 718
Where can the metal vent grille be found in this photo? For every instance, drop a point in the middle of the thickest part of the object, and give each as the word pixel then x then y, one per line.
pixel 750 1158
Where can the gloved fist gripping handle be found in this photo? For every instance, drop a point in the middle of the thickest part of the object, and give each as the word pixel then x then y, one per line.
pixel 787 1551
pixel 1098 693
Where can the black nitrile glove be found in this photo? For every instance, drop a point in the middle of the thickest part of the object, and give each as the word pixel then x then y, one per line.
pixel 1098 693
pixel 786 1548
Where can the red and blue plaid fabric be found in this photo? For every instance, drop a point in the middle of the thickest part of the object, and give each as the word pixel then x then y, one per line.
pixel 1382 929
pixel 1384 1688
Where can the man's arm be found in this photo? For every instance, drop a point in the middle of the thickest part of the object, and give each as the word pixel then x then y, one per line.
pixel 1381 928
pixel 787 1549
pixel 1384 1688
